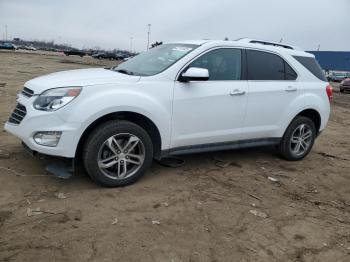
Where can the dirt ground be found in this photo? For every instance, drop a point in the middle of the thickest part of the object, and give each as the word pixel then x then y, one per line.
pixel 207 210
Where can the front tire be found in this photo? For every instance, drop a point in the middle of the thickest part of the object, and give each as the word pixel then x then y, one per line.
pixel 298 139
pixel 117 153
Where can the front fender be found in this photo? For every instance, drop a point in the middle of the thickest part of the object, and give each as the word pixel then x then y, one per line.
pixel 93 105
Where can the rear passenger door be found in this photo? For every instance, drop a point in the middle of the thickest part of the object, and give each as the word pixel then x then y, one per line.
pixel 272 88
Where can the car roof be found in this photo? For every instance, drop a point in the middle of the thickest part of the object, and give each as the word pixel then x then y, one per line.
pixel 250 43
pixel 191 42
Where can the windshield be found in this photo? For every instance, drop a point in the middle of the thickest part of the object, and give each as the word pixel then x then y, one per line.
pixel 154 60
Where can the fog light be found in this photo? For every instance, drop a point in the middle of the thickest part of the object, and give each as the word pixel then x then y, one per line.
pixel 47 138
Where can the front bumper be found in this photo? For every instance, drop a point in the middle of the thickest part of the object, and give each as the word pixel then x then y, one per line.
pixel 35 121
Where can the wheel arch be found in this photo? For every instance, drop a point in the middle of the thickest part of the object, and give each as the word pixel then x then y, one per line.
pixel 312 114
pixel 136 118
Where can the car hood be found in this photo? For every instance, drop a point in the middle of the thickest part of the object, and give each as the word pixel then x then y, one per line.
pixel 79 77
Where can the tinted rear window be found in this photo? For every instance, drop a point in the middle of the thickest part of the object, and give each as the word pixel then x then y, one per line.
pixel 267 66
pixel 290 73
pixel 264 66
pixel 311 64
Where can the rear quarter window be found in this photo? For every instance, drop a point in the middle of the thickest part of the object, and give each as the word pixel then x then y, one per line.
pixel 311 64
pixel 267 66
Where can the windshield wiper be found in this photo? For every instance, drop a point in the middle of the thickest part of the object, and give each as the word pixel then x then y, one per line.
pixel 124 71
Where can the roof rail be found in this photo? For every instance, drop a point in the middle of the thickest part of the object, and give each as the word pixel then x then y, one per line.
pixel 262 42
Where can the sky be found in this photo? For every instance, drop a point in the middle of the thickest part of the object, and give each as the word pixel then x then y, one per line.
pixel 123 24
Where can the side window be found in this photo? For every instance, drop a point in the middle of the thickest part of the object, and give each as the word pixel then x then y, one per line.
pixel 267 66
pixel 222 64
pixel 290 73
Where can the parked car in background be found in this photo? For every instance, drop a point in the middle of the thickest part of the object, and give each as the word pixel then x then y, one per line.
pixel 337 76
pixel 8 46
pixel 345 85
pixel 123 56
pixel 89 52
pixel 109 55
pixel 74 52
pixel 25 47
pixel 50 49
pixel 102 55
pixel 177 98
pixel 31 48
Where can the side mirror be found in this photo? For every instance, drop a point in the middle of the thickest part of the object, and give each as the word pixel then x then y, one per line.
pixel 195 74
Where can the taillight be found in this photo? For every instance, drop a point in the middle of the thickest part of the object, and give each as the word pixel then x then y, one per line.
pixel 329 90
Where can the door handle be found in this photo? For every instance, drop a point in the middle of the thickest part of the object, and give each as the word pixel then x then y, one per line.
pixel 291 89
pixel 237 92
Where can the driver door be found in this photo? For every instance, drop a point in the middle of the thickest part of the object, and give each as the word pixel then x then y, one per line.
pixel 208 112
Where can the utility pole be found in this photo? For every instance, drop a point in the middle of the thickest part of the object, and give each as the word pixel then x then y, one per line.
pixel 148 35
pixel 5 32
pixel 131 39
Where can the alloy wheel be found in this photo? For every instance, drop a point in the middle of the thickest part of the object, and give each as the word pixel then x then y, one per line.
pixel 301 139
pixel 121 156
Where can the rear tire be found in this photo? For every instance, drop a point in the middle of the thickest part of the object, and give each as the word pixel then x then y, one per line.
pixel 117 153
pixel 298 139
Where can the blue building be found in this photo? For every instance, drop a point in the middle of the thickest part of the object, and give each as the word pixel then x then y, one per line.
pixel 333 60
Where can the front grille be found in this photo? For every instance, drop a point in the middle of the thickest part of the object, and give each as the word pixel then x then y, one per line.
pixel 27 92
pixel 18 114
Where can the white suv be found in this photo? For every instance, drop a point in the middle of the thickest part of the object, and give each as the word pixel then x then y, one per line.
pixel 177 98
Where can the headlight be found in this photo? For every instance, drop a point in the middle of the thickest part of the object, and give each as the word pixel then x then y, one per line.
pixel 54 99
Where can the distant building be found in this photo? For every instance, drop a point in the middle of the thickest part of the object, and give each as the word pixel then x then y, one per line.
pixel 333 60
